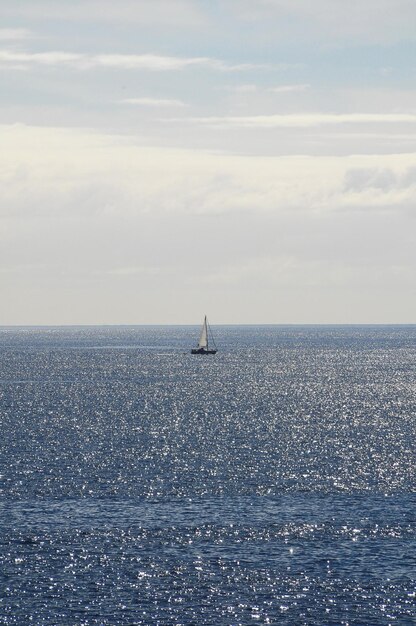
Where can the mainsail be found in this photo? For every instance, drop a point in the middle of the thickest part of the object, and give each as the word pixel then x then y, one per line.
pixel 203 339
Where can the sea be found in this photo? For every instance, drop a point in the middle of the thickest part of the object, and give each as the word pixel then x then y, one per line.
pixel 272 483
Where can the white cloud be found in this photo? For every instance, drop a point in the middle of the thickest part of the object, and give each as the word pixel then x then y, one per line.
pixel 15 34
pixel 241 89
pixel 289 88
pixel 99 174
pixel 116 228
pixel 103 224
pixel 137 270
pixel 170 13
pixel 252 88
pixel 282 270
pixel 151 62
pixel 41 58
pixel 305 120
pixel 322 20
pixel 148 62
pixel 153 102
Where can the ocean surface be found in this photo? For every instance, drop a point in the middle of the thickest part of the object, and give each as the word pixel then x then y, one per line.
pixel 272 483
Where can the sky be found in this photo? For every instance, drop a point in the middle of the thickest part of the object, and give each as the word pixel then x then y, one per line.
pixel 252 160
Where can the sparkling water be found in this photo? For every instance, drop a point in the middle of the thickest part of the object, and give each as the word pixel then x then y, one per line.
pixel 272 483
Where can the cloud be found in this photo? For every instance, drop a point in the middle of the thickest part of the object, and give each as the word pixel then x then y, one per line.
pixel 289 88
pixel 170 13
pixel 117 228
pixel 305 120
pixel 252 88
pixel 79 171
pixel 15 34
pixel 153 102
pixel 41 58
pixel 241 89
pixel 147 62
pixel 137 270
pixel 322 20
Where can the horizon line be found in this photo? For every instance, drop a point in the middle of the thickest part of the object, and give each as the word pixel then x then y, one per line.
pixel 127 325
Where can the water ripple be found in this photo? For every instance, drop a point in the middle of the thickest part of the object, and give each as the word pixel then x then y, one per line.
pixel 272 484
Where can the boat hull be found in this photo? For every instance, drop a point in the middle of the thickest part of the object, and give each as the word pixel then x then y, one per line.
pixel 203 351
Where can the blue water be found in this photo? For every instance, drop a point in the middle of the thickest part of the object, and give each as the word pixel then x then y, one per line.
pixel 273 483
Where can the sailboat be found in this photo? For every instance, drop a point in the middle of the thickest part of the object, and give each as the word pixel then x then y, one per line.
pixel 203 347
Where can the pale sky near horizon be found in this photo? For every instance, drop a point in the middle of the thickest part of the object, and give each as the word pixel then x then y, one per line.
pixel 254 160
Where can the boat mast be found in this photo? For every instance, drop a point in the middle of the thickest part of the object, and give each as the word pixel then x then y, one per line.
pixel 212 336
pixel 206 330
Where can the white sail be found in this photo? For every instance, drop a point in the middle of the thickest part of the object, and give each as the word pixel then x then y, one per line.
pixel 203 339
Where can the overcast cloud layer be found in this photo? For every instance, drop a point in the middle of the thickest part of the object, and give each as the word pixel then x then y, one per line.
pixel 254 160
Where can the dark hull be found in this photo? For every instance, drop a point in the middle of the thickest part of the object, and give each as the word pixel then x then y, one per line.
pixel 203 351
